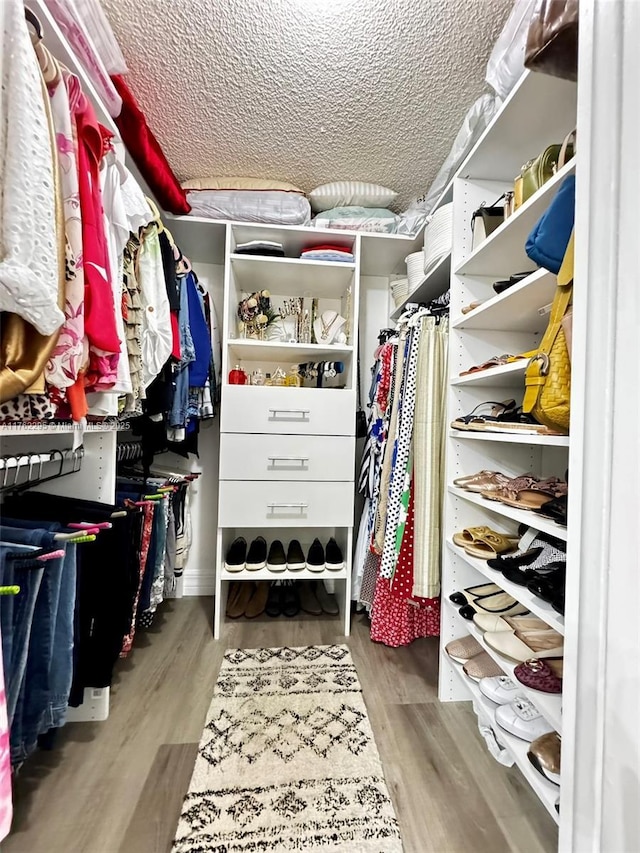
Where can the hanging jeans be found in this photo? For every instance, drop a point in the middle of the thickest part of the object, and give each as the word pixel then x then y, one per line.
pixel 35 690
pixel 62 659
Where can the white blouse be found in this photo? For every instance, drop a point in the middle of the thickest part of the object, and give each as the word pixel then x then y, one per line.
pixel 29 262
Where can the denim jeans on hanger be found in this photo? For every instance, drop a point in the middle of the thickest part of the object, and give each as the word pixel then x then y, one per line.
pixel 16 619
pixel 35 690
pixel 62 658
pixel 108 572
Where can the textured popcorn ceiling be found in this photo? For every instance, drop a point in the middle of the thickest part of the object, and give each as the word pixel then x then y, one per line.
pixel 308 91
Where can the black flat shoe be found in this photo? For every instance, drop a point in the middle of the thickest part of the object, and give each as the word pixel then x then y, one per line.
pixel 555 509
pixel 290 600
pixel 524 576
pixel 273 606
pixel 558 603
pixel 467 612
pixel 549 588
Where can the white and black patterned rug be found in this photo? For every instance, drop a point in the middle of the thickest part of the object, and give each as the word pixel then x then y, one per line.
pixel 287 760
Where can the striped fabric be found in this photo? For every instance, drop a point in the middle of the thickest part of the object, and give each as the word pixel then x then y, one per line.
pixel 350 194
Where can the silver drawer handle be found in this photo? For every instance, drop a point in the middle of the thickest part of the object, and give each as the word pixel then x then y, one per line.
pixel 302 459
pixel 288 506
pixel 303 412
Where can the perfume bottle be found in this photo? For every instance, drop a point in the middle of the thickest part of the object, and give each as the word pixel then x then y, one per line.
pixel 279 377
pixel 294 380
pixel 237 376
pixel 257 377
pixel 268 380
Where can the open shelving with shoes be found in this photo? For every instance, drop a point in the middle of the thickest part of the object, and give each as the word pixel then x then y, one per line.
pixel 511 322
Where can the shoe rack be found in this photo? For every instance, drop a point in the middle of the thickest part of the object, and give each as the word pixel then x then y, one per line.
pixel 510 322
pixel 287 454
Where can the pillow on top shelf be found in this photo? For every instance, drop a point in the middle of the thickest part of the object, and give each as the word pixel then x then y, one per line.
pixel 350 194
pixel 227 183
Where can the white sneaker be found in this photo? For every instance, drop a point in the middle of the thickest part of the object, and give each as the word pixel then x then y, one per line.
pixel 499 688
pixel 522 719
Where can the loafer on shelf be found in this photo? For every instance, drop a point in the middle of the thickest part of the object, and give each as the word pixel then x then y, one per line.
pixel 334 560
pixel 463 649
pixel 494 624
pixel 500 689
pixel 472 592
pixel 520 646
pixel 257 556
pixel 544 676
pixel 522 719
pixel 295 557
pixel 277 560
pixel 236 556
pixel 544 754
pixel 315 557
pixel 481 666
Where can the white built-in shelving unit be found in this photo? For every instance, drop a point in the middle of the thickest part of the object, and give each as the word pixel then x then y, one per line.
pixel 540 111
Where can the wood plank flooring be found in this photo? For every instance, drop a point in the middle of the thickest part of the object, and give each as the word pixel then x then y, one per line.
pixel 117 786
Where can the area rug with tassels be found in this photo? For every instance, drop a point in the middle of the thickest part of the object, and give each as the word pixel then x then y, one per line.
pixel 287 760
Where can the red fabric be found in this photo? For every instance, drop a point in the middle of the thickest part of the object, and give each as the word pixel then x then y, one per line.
pixel 99 310
pixel 175 334
pixel 147 153
pixel 397 617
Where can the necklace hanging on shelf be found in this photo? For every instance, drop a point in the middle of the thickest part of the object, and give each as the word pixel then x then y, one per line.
pixel 326 327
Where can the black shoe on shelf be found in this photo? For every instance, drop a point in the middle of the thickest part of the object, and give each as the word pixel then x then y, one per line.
pixel 257 556
pixel 290 600
pixel 295 557
pixel 276 561
pixel 273 606
pixel 315 557
pixel 334 559
pixel 236 555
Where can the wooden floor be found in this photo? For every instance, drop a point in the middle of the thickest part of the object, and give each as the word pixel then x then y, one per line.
pixel 117 786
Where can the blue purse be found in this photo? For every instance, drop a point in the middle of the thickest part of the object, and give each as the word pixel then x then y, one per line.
pixel 547 243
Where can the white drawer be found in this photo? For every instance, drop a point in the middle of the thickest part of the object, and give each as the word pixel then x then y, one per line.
pixel 285 504
pixel 293 411
pixel 286 457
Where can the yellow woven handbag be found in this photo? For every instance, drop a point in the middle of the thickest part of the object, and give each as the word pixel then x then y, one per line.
pixel 548 375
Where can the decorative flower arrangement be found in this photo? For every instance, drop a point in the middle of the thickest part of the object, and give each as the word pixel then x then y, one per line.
pixel 255 314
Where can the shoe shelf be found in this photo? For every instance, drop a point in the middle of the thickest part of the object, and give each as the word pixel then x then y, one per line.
pixel 291 276
pixel 549 705
pixel 503 250
pixel 502 376
pixel 268 575
pixel 522 516
pixel 546 791
pixel 435 282
pixel 268 351
pixel 536 605
pixel 516 309
pixel 511 438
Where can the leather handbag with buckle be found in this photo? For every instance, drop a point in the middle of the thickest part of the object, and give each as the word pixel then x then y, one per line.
pixel 552 39
pixel 538 171
pixel 485 220
pixel 547 393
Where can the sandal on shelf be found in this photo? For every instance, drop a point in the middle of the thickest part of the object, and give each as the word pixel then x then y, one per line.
pixel 485 542
pixel 477 420
pixel 555 509
pixel 517 421
pixel 483 482
pixel 494 361
pixel 471 307
pixel 529 492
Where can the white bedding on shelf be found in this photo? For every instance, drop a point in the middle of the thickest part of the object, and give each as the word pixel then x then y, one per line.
pixel 266 206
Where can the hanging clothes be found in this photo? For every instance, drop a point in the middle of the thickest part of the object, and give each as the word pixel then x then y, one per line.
pixel 401 476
